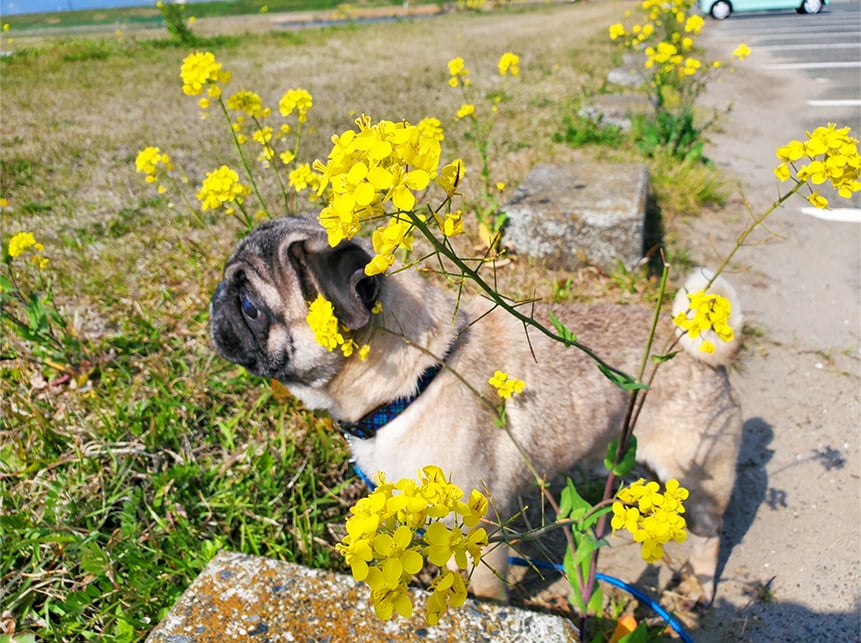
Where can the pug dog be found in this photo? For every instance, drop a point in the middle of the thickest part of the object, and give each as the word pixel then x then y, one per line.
pixel 422 396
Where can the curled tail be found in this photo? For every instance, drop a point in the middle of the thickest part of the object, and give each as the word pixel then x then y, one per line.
pixel 694 342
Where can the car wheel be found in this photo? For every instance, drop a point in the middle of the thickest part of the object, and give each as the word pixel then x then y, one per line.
pixel 811 6
pixel 721 9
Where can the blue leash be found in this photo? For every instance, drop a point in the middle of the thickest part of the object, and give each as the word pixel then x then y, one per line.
pixel 637 593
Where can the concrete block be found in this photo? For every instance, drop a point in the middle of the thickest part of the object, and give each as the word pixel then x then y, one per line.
pixel 249 598
pixel 591 214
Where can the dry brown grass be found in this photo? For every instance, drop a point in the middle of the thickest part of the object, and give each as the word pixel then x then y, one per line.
pixel 77 126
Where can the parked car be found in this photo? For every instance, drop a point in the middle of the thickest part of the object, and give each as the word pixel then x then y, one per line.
pixel 721 9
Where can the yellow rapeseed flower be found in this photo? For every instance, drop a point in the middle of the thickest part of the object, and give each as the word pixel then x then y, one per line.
pixel 249 103
pixel 706 312
pixel 201 71
pixel 321 318
pixel 831 154
pixel 394 530
pixel 741 52
pixel 651 517
pixel 432 128
pixel 509 63
pixel 505 385
pixel 467 109
pixel 617 31
pixel 21 242
pixel 221 187
pixel 299 100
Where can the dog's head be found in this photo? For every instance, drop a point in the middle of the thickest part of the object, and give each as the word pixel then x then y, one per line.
pixel 258 312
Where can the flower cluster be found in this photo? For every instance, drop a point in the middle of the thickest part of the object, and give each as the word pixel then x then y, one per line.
pixel 458 72
pixel 251 118
pixel 221 188
pixel 298 100
pixel 201 71
pixel 23 242
pixel 248 102
pixel 248 118
pixel 153 162
pixel 328 331
pixel 399 526
pixel 380 165
pixel 829 154
pixel 667 38
pixel 505 385
pixel 509 63
pixel 432 128
pixel 652 518
pixel 706 312
pixel 488 211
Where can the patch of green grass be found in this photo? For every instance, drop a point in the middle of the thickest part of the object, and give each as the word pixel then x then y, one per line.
pixel 686 187
pixel 168 459
pixel 579 131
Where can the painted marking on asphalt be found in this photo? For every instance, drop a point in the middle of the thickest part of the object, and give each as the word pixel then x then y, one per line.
pixel 847 102
pixel 817 47
pixel 824 65
pixel 843 215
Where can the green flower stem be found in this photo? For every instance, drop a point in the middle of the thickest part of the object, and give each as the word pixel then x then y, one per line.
pixel 754 224
pixel 25 329
pixel 185 200
pixel 272 163
pixel 499 301
pixel 629 422
pixel 245 163
pixel 537 532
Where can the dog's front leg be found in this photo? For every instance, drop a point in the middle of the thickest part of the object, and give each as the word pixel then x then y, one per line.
pixel 489 578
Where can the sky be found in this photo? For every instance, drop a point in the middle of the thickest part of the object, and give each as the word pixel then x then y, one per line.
pixel 13 7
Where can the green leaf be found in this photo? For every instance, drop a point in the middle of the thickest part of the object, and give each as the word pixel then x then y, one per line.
pixel 563 331
pixel 17 638
pixel 571 503
pixel 592 518
pixel 660 359
pixel 576 596
pixel 621 380
pixel 596 602
pixel 93 560
pixel 626 462
pixel 588 543
pixel 639 635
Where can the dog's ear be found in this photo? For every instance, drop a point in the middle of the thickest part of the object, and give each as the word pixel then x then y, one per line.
pixel 339 275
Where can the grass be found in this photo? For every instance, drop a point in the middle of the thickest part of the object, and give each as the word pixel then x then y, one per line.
pixel 123 471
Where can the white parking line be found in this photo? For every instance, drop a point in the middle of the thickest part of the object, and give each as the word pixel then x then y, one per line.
pixel 842 215
pixel 818 46
pixel 822 65
pixel 848 102
pixel 769 35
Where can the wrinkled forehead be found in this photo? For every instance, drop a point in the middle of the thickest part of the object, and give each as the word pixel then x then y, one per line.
pixel 267 244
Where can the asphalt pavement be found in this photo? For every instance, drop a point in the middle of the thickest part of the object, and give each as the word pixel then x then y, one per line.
pixel 792 561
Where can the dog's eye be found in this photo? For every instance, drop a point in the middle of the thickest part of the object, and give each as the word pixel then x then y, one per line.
pixel 249 309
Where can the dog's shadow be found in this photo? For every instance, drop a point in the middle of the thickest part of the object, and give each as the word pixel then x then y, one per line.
pixel 749 493
pixel 751 488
